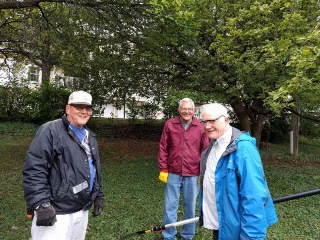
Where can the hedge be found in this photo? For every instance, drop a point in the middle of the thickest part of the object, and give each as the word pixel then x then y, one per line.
pixel 125 129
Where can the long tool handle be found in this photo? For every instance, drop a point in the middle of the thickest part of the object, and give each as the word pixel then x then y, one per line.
pixel 296 196
pixel 196 219
pixel 183 222
pixel 278 200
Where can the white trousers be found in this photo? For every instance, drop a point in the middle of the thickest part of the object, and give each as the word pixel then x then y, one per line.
pixel 71 226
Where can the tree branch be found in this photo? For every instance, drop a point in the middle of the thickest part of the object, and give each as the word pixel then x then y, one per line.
pixel 35 3
pixel 18 4
pixel 29 3
pixel 301 115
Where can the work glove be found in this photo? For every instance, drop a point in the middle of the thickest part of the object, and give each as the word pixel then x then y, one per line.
pixel 30 212
pixel 163 176
pixel 97 207
pixel 46 215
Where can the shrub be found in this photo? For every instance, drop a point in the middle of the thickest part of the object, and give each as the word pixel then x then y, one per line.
pixel 309 128
pixel 124 129
pixel 32 105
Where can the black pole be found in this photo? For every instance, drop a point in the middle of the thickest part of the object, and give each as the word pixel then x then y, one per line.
pixel 296 196
pixel 278 200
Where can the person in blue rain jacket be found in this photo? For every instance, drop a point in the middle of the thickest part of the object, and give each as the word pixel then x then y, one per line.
pixel 235 201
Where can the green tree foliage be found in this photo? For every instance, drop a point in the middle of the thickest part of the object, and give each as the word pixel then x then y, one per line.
pixel 95 42
pixel 303 84
pixel 245 51
pixel 256 56
pixel 33 35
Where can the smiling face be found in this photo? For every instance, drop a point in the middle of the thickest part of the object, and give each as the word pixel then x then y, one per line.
pixel 78 115
pixel 186 111
pixel 213 126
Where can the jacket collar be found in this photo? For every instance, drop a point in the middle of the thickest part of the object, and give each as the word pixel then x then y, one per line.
pixel 65 121
pixel 195 121
pixel 236 133
pixel 66 124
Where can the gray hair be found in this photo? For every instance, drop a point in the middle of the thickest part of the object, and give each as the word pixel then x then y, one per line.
pixel 186 100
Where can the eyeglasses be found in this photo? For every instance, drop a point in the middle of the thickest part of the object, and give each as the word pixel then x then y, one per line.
pixel 187 109
pixel 211 121
pixel 81 107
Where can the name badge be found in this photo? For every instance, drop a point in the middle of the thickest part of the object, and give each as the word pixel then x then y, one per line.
pixel 80 187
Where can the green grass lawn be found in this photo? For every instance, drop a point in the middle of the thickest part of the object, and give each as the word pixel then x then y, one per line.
pixel 134 195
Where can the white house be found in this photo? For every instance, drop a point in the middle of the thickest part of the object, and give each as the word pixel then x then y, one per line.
pixel 31 76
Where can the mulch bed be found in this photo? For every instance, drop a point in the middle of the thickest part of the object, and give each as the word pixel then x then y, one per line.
pixel 131 149
pixel 290 161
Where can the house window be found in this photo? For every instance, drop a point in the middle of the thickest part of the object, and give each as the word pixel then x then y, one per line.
pixel 197 112
pixel 34 74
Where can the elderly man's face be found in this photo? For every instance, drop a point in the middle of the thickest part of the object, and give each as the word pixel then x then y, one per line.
pixel 214 126
pixel 78 115
pixel 186 111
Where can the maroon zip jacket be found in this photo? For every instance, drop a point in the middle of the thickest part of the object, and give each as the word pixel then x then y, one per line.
pixel 180 149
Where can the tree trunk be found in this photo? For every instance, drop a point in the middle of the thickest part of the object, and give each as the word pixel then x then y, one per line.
pixel 124 106
pixel 295 129
pixel 252 119
pixel 45 74
pixel 257 127
pixel 242 115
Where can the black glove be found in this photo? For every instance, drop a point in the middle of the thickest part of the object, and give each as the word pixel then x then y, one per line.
pixel 46 215
pixel 98 207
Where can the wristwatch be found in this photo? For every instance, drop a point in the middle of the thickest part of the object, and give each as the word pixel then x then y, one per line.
pixel 44 205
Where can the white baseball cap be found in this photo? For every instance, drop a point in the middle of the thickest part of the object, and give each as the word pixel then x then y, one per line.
pixel 80 97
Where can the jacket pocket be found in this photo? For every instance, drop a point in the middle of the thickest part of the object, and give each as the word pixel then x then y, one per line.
pixel 62 190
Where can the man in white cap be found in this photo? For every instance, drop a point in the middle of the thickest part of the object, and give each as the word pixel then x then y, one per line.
pixel 235 201
pixel 62 174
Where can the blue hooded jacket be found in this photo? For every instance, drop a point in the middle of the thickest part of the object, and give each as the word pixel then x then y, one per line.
pixel 244 204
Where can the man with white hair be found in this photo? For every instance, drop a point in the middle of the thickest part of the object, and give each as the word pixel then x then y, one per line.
pixel 182 141
pixel 235 201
